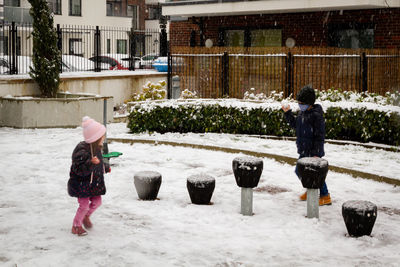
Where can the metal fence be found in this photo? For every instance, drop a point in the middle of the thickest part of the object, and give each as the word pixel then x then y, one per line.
pixel 84 48
pixel 219 74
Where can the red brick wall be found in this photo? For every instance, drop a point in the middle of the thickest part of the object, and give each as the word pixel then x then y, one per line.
pixel 308 29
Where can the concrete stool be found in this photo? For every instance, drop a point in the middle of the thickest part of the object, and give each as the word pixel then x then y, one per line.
pixel 359 217
pixel 247 171
pixel 147 184
pixel 200 188
pixel 312 172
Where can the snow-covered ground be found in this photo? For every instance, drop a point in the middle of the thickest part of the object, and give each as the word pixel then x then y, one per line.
pixel 36 212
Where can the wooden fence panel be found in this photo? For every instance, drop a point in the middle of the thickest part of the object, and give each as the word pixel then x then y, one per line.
pixel 265 69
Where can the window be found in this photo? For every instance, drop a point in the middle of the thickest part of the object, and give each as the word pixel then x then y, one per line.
pixel 75 7
pixel 117 8
pixel 264 38
pixel 251 37
pixel 55 6
pixel 14 3
pixel 122 47
pixel 133 12
pixel 234 38
pixel 108 46
pixel 75 47
pixel 154 12
pixel 351 36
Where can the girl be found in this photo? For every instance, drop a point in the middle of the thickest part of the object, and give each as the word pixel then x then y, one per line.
pixel 86 180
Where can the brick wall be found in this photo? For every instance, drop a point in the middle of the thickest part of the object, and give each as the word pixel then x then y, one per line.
pixel 308 29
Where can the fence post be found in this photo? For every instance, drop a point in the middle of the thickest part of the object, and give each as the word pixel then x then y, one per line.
pixel 225 74
pixel 364 72
pixel 163 38
pixel 289 75
pixel 97 49
pixel 13 48
pixel 169 76
pixel 59 42
pixel 132 49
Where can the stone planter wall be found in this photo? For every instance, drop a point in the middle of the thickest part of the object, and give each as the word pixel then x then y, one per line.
pixel 65 111
pixel 120 85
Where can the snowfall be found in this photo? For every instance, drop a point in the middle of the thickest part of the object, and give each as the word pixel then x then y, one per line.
pixel 36 212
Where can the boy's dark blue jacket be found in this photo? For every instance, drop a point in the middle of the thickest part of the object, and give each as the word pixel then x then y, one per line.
pixel 310 131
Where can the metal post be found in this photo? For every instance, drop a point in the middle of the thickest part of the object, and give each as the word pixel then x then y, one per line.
pixel 225 74
pixel 132 50
pixel 105 144
pixel 169 76
pixel 364 72
pixel 289 75
pixel 13 48
pixel 163 37
pixel 59 42
pixel 312 203
pixel 246 207
pixel 97 49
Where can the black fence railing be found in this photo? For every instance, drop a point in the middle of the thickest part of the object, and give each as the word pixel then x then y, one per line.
pixel 84 48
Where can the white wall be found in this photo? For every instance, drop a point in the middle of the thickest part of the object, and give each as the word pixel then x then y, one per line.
pixel 93 13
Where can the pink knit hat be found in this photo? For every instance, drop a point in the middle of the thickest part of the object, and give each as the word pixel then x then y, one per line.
pixel 92 130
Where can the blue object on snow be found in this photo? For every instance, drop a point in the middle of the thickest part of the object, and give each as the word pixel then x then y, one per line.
pixel 160 64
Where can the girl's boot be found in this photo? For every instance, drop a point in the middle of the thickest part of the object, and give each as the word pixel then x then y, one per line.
pixel 78 230
pixel 87 223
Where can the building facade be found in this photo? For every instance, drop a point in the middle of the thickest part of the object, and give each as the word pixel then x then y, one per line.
pixel 263 23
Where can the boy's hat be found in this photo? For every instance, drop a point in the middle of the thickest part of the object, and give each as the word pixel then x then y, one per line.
pixel 92 130
pixel 306 95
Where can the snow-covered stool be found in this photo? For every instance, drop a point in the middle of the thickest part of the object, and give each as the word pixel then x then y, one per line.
pixel 200 188
pixel 247 171
pixel 147 184
pixel 359 217
pixel 312 172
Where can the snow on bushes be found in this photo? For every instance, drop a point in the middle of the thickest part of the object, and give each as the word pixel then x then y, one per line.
pixel 351 120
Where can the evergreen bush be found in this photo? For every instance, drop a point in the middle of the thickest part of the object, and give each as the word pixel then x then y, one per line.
pixel 46 57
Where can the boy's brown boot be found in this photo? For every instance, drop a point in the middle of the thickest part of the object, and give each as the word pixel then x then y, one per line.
pixel 325 200
pixel 303 197
pixel 87 223
pixel 78 230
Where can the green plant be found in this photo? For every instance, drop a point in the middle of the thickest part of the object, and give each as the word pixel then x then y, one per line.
pixel 151 91
pixel 46 58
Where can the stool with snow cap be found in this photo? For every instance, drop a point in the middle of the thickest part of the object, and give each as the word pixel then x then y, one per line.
pixel 200 188
pixel 147 184
pixel 359 217
pixel 247 171
pixel 312 172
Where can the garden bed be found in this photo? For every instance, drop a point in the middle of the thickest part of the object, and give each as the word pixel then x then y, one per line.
pixel 66 110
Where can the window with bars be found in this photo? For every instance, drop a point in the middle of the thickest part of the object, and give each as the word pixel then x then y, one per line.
pixel 122 47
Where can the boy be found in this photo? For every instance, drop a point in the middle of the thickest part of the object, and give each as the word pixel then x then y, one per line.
pixel 310 133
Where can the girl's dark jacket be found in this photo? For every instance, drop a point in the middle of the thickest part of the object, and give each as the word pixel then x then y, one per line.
pixel 79 184
pixel 310 131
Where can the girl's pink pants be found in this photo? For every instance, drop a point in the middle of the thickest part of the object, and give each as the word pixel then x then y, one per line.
pixel 87 206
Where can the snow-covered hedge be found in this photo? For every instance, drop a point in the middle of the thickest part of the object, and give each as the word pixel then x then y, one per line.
pixel 365 122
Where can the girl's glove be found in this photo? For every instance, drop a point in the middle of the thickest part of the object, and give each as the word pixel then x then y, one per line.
pixel 95 160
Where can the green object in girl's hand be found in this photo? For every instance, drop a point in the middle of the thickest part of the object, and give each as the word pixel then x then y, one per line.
pixel 112 155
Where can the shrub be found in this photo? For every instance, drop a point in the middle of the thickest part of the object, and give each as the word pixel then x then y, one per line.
pixel 357 124
pixel 151 91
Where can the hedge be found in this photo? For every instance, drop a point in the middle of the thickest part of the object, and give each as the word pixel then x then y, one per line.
pixel 358 124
